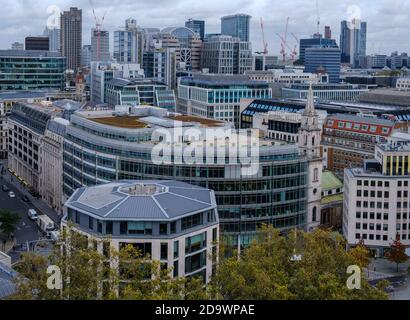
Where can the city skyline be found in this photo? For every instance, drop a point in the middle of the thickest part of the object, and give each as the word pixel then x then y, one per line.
pixel 387 21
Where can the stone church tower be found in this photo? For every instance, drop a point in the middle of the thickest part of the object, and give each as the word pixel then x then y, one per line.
pixel 309 146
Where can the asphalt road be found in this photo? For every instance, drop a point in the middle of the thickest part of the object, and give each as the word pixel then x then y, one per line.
pixel 27 230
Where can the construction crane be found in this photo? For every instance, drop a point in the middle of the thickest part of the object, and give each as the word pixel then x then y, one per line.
pixel 295 50
pixel 265 44
pixel 98 28
pixel 284 43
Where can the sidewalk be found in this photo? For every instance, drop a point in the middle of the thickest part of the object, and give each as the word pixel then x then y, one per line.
pixel 38 204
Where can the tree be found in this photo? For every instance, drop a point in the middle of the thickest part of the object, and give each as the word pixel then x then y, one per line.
pixel 8 221
pixel 88 274
pixel 397 253
pixel 266 270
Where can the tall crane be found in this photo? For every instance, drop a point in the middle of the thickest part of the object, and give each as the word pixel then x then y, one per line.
pixel 284 43
pixel 98 28
pixel 265 44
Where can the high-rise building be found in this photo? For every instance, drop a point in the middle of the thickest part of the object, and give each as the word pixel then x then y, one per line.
pixel 353 36
pixel 198 26
pixel 160 65
pixel 237 25
pixel 312 42
pixel 328 32
pixel 86 56
pixel 129 43
pixel 100 45
pixel 37 43
pixel 71 37
pixel 227 55
pixel 54 38
pixel 323 59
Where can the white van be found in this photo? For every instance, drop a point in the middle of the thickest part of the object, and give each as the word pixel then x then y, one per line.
pixel 45 224
pixel 32 214
pixel 54 235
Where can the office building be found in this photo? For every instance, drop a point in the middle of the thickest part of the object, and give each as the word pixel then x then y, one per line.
pixel 129 43
pixel 262 62
pixel 53 35
pixel 37 43
pixel 328 32
pixel 178 225
pixel 284 76
pixel 218 96
pixel 52 163
pixel 403 84
pixel 100 46
pixel 161 65
pixel 237 26
pixel 325 91
pixel 198 26
pixel 376 199
pixel 314 42
pixel 353 37
pixel 31 70
pixel 226 55
pixel 27 125
pixel 134 92
pixel 187 45
pixel 71 37
pixel 17 46
pixel 121 147
pixel 323 59
pixel 349 140
pixel 3 132
pixel 86 56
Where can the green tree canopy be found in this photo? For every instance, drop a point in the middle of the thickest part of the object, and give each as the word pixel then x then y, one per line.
pixel 8 221
pixel 397 253
pixel 270 269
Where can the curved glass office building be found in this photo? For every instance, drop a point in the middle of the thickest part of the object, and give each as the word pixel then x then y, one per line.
pixel 101 148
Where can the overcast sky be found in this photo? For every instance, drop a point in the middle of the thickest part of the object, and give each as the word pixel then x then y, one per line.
pixel 388 20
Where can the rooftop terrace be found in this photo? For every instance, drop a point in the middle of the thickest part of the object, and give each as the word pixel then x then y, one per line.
pixel 127 122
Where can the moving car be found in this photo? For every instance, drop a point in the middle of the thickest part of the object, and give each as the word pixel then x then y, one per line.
pixel 5 188
pixel 25 199
pixel 11 194
pixel 45 224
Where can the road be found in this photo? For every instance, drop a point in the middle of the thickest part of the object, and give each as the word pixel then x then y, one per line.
pixel 27 230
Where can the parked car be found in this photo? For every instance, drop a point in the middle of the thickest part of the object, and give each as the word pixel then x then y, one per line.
pixel 5 188
pixel 32 214
pixel 11 194
pixel 25 199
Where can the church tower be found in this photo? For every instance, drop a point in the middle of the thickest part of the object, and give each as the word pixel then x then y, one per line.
pixel 309 141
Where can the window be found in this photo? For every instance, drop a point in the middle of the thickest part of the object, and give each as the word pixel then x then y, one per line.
pixel 143 228
pixel 108 227
pixel 214 235
pixel 176 249
pixel 191 221
pixel 163 228
pixel 164 251
pixel 91 223
pixel 314 214
pixel 195 243
pixel 176 272
pixel 123 227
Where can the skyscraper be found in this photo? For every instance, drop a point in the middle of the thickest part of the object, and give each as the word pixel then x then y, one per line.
pixel 237 25
pixel 129 43
pixel 197 26
pixel 100 45
pixel 37 43
pixel 353 36
pixel 312 42
pixel 71 37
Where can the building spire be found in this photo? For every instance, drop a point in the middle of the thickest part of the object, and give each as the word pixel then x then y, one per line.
pixel 310 105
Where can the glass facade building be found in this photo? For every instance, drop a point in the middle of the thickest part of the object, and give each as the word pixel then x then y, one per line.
pixel 276 194
pixel 237 25
pixel 31 70
pixel 323 59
